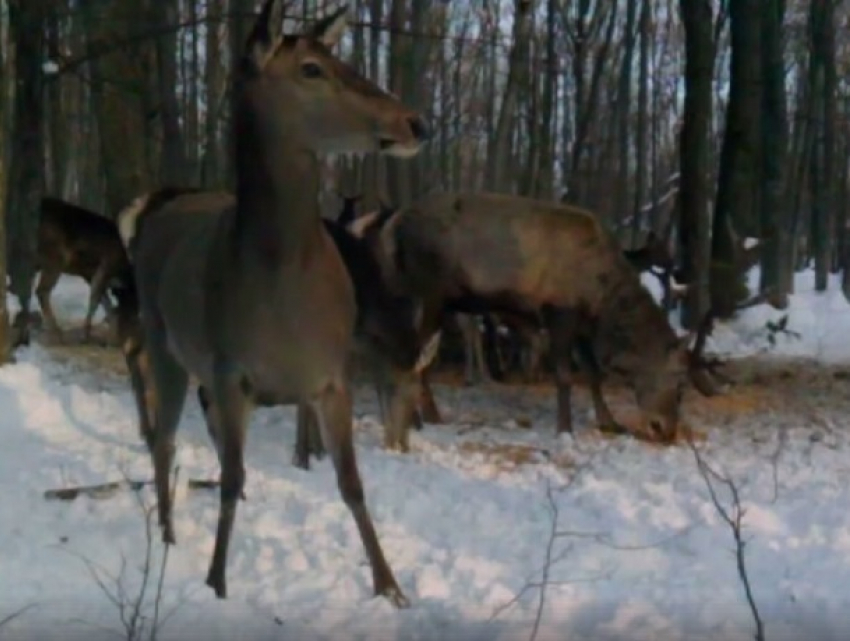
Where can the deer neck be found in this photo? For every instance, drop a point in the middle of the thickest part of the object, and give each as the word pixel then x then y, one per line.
pixel 277 186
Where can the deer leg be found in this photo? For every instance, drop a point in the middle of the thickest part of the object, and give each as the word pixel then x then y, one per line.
pixel 231 400
pixel 403 392
pixel 97 293
pixel 212 418
pixel 308 439
pixel 562 325
pixel 47 280
pixel 604 417
pixel 333 410
pixel 171 383
pixel 428 407
pixel 142 391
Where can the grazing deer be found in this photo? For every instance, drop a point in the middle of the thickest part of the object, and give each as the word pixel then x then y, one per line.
pixel 74 240
pixel 487 252
pixel 254 299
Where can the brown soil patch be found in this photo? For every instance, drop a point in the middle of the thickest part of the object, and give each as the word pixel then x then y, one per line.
pixel 508 457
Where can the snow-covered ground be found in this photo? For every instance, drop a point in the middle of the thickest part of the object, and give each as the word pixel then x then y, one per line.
pixel 466 520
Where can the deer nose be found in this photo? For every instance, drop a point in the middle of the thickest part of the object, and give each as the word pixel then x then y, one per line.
pixel 419 127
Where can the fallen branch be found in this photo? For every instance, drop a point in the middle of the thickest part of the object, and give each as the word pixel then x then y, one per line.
pixel 107 490
pixel 734 519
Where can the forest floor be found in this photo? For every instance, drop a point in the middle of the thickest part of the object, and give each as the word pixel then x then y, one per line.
pixel 495 527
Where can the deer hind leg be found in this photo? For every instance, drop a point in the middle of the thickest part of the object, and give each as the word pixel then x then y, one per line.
pixel 604 417
pixel 333 410
pixel 212 418
pixel 562 325
pixel 97 293
pixel 232 403
pixel 143 392
pixel 308 439
pixel 171 383
pixel 47 280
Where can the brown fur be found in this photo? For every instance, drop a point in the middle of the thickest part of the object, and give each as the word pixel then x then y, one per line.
pixel 76 241
pixel 253 299
pixel 485 252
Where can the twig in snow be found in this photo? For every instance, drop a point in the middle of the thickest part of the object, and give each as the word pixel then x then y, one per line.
pixel 14 615
pixel 734 519
pixel 549 561
pixel 132 608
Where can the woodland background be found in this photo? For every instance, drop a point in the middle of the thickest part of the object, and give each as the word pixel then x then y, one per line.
pixel 708 121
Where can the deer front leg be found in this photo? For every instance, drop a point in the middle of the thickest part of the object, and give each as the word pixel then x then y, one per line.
pixel 333 410
pixel 562 325
pixel 473 350
pixel 427 404
pixel 604 417
pixel 47 280
pixel 230 397
pixel 402 393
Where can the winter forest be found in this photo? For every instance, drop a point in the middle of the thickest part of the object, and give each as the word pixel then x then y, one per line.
pixel 424 319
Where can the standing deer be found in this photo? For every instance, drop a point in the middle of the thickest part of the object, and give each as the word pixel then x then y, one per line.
pixel 254 299
pixel 486 252
pixel 74 240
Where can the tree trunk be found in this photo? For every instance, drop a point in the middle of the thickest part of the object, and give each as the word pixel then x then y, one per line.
pixel 499 165
pixel 121 80
pixel 173 166
pixel 822 177
pixel 624 112
pixel 26 175
pixel 694 150
pixel 737 188
pixel 6 72
pixel 776 255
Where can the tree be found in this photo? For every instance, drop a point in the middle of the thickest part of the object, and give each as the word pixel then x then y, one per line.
pixel 738 183
pixel 693 150
pixel 776 255
pixel 26 174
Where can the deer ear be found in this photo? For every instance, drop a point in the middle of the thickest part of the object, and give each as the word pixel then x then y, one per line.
pixel 266 34
pixel 329 29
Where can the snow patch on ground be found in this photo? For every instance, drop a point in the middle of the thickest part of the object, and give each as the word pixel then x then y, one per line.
pixel 465 519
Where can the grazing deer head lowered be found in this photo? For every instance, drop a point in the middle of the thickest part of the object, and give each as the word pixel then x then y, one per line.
pixel 253 298
pixel 480 252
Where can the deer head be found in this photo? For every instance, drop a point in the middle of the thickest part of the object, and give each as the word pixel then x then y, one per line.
pixel 337 108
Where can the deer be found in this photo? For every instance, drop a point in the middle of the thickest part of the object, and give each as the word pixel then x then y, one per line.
pixel 386 336
pixel 253 300
pixel 551 263
pixel 77 241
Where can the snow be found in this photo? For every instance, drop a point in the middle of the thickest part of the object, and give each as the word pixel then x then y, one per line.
pixel 465 519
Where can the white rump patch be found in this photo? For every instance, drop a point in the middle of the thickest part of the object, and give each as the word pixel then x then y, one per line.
pixel 128 218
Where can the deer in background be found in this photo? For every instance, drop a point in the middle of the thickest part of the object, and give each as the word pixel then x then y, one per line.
pixel 254 299
pixel 479 252
pixel 76 241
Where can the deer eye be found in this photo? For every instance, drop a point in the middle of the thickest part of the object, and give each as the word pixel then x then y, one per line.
pixel 311 70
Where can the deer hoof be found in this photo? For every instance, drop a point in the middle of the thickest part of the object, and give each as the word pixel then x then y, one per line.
pixel 217 584
pixel 396 597
pixel 168 535
pixel 301 461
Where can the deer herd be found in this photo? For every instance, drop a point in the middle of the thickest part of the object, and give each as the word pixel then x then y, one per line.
pixel 263 302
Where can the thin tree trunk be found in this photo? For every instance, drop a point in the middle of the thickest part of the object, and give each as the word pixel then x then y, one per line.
pixel 26 175
pixel 776 255
pixel 694 150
